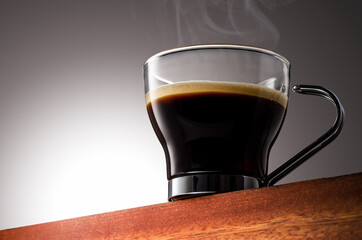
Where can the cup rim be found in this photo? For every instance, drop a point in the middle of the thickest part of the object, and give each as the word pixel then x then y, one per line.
pixel 216 46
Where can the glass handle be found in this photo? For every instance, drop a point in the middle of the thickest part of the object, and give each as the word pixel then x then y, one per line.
pixel 316 146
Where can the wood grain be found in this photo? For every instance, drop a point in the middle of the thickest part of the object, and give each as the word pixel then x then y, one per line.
pixel 318 209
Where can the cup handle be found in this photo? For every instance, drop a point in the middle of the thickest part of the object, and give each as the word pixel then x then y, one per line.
pixel 316 146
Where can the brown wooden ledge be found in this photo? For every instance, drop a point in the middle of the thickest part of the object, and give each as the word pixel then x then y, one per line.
pixel 329 208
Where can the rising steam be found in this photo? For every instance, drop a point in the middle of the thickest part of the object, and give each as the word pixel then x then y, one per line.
pixel 217 21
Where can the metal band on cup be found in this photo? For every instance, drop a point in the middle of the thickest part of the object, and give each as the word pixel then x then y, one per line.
pixel 205 184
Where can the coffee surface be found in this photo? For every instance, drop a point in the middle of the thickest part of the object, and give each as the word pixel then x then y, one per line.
pixel 219 87
pixel 221 127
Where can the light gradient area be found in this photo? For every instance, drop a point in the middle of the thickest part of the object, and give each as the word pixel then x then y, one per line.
pixel 75 137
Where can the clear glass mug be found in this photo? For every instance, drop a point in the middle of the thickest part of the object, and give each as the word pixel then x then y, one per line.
pixel 217 110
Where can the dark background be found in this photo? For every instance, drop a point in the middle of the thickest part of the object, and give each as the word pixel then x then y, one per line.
pixel 75 138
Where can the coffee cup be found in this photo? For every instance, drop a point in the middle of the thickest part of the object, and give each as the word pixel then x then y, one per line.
pixel 217 110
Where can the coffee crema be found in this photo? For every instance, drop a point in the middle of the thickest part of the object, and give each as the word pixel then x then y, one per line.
pixel 216 127
pixel 219 87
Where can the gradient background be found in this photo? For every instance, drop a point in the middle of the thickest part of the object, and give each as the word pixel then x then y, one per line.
pixel 75 138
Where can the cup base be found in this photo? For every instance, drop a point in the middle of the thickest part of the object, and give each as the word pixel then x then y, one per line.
pixel 198 185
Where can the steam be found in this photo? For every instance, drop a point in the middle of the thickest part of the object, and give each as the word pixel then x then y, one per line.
pixel 217 21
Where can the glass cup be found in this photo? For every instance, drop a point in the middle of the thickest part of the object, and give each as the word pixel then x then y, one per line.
pixel 217 110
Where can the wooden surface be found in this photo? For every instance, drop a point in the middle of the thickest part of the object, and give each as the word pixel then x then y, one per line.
pixel 319 209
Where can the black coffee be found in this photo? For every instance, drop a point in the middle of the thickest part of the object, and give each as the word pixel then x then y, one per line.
pixel 216 127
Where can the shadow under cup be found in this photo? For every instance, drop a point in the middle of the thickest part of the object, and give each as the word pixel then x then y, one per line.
pixel 216 110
